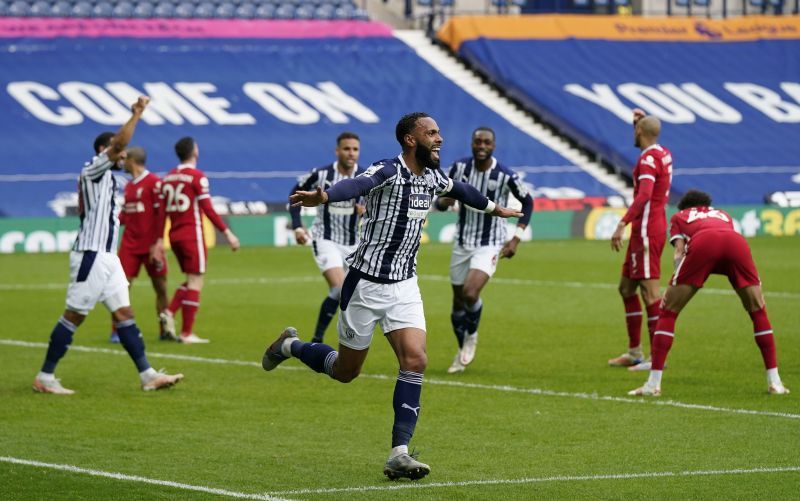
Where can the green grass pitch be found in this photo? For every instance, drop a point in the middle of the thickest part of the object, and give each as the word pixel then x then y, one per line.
pixel 528 420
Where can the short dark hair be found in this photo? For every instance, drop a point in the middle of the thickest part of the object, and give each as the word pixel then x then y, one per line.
pixel 484 128
pixel 184 148
pixel 346 135
pixel 406 124
pixel 137 154
pixel 102 141
pixel 694 198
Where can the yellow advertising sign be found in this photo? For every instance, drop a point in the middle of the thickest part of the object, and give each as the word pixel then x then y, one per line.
pixel 621 28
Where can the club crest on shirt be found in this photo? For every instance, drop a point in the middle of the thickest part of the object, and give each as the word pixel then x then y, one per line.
pixel 418 205
pixel 491 185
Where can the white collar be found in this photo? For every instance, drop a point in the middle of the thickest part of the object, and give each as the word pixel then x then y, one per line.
pixel 141 176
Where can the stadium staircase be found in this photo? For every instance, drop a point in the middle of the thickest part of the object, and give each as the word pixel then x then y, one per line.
pixel 455 70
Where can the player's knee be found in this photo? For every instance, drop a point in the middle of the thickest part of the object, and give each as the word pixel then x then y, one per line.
pixel 415 362
pixel 124 313
pixel 347 375
pixel 471 295
pixel 335 293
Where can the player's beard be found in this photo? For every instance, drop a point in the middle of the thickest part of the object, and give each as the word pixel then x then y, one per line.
pixel 424 156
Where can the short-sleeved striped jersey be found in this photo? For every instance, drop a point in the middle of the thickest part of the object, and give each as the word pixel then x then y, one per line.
pixel 99 212
pixel 396 211
pixel 337 221
pixel 477 228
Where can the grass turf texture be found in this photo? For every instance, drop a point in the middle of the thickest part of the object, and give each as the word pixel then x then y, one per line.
pixel 238 428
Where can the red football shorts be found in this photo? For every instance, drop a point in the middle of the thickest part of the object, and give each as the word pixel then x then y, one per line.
pixel 132 262
pixel 191 255
pixel 643 258
pixel 719 252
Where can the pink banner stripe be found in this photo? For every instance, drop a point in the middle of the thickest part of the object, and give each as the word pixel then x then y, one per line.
pixel 16 27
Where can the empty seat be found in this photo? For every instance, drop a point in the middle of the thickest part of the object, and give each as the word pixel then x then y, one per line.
pixel 305 11
pixel 122 10
pixel 143 10
pixel 324 12
pixel 164 10
pixel 19 9
pixel 360 15
pixel 265 11
pixel 284 11
pixel 225 10
pixel 344 12
pixel 204 10
pixel 61 9
pixel 3 8
pixel 245 11
pixel 39 9
pixel 102 9
pixel 184 10
pixel 701 3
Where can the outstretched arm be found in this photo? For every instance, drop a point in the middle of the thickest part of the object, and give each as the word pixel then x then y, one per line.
pixel 346 189
pixel 467 194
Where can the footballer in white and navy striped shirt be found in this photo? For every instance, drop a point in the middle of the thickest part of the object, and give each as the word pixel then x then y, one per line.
pixel 96 273
pixel 480 239
pixel 335 228
pixel 381 284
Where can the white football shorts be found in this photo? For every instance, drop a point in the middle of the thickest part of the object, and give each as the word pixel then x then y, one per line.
pixel 482 258
pixel 393 306
pixel 96 277
pixel 328 254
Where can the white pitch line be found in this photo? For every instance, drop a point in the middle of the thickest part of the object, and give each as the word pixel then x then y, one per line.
pixel 137 478
pixel 517 481
pixel 433 278
pixel 434 381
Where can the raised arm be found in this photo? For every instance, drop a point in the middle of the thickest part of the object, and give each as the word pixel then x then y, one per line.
pixel 123 136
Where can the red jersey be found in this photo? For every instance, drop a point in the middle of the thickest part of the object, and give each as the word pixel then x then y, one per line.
pixel 652 178
pixel 689 222
pixel 186 199
pixel 141 213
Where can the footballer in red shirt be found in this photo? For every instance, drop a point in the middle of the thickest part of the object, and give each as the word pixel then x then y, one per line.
pixel 186 198
pixel 706 242
pixel 647 216
pixel 141 215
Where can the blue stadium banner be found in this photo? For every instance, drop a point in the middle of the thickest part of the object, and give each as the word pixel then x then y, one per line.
pixel 726 91
pixel 264 109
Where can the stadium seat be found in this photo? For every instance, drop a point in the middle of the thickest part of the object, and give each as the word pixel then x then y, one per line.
pixel 3 8
pixel 184 10
pixel 245 11
pixel 682 3
pixel 424 3
pixel 305 11
pixel 622 3
pixel 360 15
pixel 343 12
pixel 225 10
pixel 143 10
pixel 122 10
pixel 204 10
pixel 164 10
pixel 19 9
pixel 284 11
pixel 601 3
pixel 702 3
pixel 265 11
pixel 519 3
pixel 776 3
pixel 580 3
pixel 61 9
pixel 39 9
pixel 324 11
pixel 102 9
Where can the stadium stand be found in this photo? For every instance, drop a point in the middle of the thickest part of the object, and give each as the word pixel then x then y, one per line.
pixel 727 91
pixel 264 106
pixel 186 9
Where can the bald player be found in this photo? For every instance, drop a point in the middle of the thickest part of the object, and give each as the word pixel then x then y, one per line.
pixel 647 216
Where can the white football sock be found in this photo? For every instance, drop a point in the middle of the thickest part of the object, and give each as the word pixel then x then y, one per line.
pixel 396 451
pixel 654 381
pixel 772 377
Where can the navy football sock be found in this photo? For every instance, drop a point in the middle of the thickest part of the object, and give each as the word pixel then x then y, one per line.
pixel 406 406
pixel 458 319
pixel 319 357
pixel 60 339
pixel 473 317
pixel 326 313
pixel 131 339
